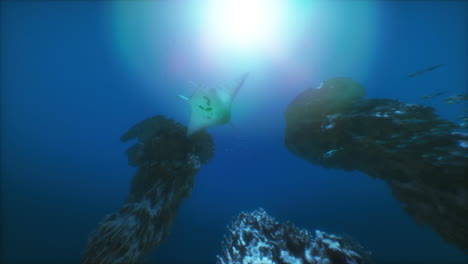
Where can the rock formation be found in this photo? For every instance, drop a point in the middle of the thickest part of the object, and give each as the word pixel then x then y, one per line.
pixel 422 157
pixel 167 163
pixel 256 237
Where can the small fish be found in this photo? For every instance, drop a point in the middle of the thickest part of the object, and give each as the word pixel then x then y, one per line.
pixel 424 71
pixel 454 99
pixel 429 96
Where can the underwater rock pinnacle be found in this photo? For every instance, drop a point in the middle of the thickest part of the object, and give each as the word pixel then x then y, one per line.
pixel 167 163
pixel 422 157
pixel 257 237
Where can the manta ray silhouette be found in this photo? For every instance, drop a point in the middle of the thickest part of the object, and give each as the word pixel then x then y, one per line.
pixel 212 106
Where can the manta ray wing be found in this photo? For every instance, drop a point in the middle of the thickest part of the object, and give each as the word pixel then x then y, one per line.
pixel 212 106
pixel 228 91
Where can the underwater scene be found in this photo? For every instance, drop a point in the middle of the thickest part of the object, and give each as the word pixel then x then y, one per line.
pixel 234 132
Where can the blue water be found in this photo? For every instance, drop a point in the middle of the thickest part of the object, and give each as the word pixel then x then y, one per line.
pixel 67 94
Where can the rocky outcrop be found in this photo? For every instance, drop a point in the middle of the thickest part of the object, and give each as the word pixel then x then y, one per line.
pixel 256 237
pixel 422 157
pixel 167 163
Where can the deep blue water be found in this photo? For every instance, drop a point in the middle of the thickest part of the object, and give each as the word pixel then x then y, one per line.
pixel 67 96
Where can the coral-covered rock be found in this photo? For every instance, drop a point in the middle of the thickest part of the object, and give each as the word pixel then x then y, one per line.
pixel 422 157
pixel 160 137
pixel 167 163
pixel 256 237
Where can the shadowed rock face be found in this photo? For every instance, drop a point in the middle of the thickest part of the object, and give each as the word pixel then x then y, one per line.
pixel 422 157
pixel 257 237
pixel 167 162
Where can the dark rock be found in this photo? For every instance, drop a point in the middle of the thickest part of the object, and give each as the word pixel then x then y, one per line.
pixel 167 163
pixel 421 156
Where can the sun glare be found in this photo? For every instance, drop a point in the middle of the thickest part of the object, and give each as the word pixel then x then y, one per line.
pixel 245 25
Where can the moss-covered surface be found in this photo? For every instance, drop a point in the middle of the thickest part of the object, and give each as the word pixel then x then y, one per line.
pixel 422 157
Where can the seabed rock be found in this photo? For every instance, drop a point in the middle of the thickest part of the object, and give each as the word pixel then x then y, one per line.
pixel 422 157
pixel 258 238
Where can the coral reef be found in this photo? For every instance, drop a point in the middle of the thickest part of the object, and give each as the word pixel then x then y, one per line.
pixel 256 237
pixel 422 157
pixel 167 163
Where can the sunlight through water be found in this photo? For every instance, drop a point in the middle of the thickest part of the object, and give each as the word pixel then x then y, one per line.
pixel 286 45
pixel 245 26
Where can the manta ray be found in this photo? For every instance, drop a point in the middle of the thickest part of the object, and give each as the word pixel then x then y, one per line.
pixel 212 106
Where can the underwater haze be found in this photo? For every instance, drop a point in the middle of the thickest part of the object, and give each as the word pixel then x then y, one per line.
pixel 76 75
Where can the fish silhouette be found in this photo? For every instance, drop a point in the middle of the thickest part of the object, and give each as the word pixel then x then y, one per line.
pixel 424 71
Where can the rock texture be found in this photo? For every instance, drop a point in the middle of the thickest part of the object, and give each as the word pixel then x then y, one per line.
pixel 257 238
pixel 422 157
pixel 167 163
